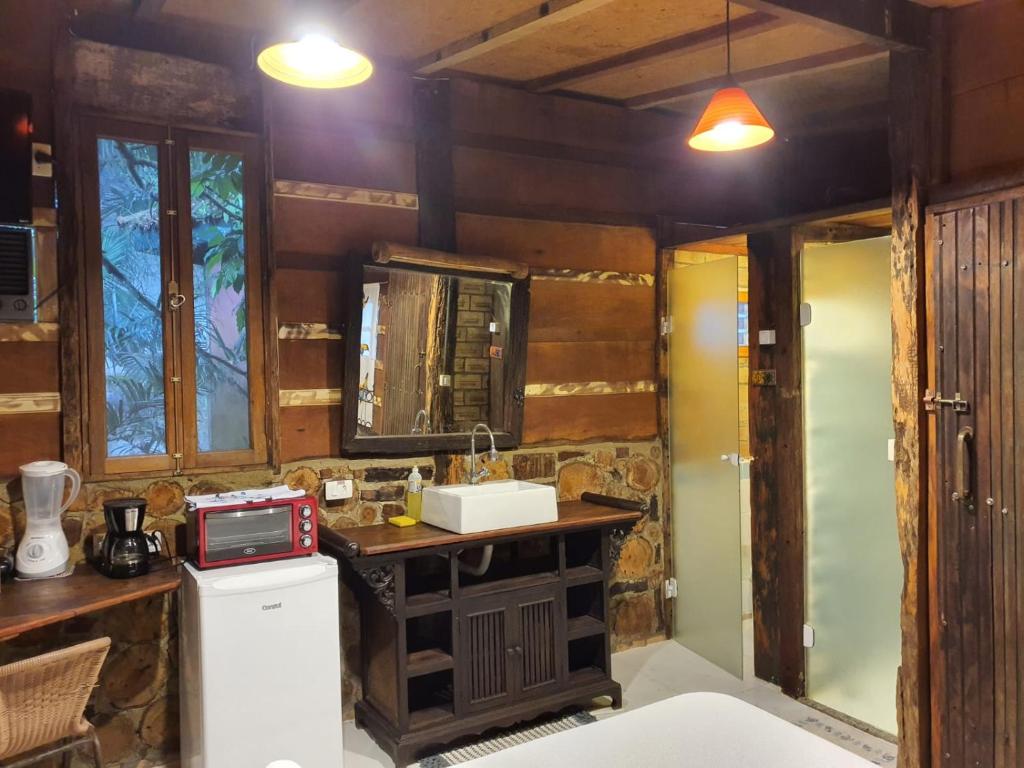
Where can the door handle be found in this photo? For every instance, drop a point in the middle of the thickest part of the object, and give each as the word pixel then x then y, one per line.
pixel 964 439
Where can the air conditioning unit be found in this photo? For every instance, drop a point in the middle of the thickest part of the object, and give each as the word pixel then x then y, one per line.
pixel 17 278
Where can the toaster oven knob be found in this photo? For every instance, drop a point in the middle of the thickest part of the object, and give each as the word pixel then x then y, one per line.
pixel 305 511
pixel 306 526
pixel 306 541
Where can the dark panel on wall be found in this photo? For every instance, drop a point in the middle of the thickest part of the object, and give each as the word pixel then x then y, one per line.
pixel 435 176
pixel 776 478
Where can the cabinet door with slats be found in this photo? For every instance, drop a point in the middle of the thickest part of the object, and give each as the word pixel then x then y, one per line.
pixel 485 634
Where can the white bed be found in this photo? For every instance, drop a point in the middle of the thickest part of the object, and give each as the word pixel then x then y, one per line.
pixel 694 730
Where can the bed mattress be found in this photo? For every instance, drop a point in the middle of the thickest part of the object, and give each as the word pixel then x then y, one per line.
pixel 694 730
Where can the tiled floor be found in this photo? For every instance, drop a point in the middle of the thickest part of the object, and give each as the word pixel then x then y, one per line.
pixel 666 669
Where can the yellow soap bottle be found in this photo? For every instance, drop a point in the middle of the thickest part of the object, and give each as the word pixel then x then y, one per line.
pixel 414 495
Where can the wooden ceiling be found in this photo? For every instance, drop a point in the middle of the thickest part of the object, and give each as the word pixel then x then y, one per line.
pixel 667 54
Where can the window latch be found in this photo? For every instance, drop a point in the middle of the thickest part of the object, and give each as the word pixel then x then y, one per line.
pixel 174 298
pixel 177 462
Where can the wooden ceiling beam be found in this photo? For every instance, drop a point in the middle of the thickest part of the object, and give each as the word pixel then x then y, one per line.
pixel 815 62
pixel 890 24
pixel 690 42
pixel 504 32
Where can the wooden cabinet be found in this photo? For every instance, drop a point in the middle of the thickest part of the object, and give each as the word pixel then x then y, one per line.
pixel 510 646
pixel 449 653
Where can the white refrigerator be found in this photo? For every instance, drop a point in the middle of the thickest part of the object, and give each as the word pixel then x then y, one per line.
pixel 261 665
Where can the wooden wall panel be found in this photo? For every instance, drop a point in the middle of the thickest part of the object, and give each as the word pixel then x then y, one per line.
pixel 566 311
pixel 310 432
pixel 503 180
pixel 28 437
pixel 558 245
pixel 309 296
pixel 356 156
pixel 29 366
pixel 332 230
pixel 555 362
pixel 986 88
pixel 777 477
pixel 582 418
pixel 311 363
pixel 385 98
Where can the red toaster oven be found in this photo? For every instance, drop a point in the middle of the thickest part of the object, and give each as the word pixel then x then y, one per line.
pixel 251 532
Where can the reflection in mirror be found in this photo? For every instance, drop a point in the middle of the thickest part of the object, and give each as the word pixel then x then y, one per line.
pixel 431 352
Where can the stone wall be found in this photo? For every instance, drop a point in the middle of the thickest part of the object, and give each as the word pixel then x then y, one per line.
pixel 136 704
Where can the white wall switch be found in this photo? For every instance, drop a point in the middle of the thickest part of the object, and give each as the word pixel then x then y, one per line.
pixel 766 338
pixel 336 490
pixel 671 589
pixel 808 636
pixel 805 314
pixel 492 327
pixel 891 447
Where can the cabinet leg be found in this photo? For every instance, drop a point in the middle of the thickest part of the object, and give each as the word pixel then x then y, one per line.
pixel 403 756
pixel 617 700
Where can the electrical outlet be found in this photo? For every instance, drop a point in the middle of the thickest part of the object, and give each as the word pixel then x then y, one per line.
pixel 336 490
pixel 671 589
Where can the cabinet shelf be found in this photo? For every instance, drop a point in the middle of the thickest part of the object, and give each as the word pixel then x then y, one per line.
pixel 425 718
pixel 427 603
pixel 585 626
pixel 587 675
pixel 506 585
pixel 428 661
pixel 583 574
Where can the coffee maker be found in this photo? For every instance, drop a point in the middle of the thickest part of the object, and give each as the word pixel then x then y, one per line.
pixel 125 550
pixel 43 550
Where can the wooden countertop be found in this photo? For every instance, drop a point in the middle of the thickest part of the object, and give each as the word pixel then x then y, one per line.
pixel 26 605
pixel 385 539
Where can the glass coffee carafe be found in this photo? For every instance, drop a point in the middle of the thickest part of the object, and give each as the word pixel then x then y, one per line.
pixel 125 551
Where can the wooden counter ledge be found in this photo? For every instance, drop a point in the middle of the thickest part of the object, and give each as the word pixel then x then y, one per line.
pixel 385 539
pixel 27 605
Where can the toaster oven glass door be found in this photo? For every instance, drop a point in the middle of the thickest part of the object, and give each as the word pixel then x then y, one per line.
pixel 242 533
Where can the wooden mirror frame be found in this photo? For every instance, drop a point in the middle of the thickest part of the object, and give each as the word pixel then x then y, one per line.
pixel 509 434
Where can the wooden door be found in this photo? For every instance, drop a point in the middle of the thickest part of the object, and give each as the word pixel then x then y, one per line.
pixel 536 660
pixel 486 632
pixel 511 645
pixel 976 480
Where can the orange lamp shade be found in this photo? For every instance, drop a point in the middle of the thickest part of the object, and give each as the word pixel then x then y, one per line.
pixel 731 121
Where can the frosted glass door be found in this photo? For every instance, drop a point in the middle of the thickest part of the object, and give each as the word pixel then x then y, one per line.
pixel 854 571
pixel 704 399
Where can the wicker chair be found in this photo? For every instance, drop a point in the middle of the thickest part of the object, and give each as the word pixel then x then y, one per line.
pixel 42 704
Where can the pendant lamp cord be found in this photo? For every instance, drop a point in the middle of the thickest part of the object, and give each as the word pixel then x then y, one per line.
pixel 728 41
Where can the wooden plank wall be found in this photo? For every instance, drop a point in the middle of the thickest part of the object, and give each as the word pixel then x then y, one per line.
pixel 29 354
pixel 986 88
pixel 344 169
pixel 777 476
pixel 590 370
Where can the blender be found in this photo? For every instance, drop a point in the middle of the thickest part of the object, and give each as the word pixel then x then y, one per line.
pixel 43 550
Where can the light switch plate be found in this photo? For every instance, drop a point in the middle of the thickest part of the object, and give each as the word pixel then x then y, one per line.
pixel 891 446
pixel 766 338
pixel 336 490
pixel 808 636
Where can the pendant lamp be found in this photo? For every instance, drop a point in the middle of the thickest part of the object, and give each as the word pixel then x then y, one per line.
pixel 731 120
pixel 314 60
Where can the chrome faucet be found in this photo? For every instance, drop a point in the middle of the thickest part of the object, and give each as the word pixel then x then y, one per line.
pixel 474 473
pixel 416 428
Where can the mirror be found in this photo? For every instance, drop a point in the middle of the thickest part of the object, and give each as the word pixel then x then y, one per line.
pixel 435 353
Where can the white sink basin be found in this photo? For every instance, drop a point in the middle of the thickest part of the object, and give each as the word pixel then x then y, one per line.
pixel 489 506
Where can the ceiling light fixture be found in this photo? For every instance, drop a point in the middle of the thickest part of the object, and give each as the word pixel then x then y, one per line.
pixel 315 60
pixel 731 120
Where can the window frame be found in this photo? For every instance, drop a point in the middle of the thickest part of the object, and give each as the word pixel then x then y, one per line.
pixel 174 144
